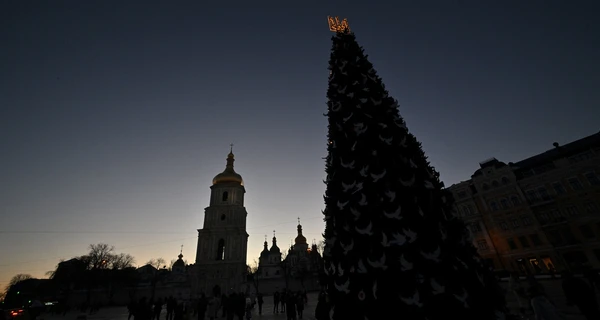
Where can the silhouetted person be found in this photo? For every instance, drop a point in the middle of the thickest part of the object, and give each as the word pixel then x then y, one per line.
pixel 202 305
pixel 322 309
pixel 229 306
pixel 170 307
pixel 249 307
pixel 157 309
pixel 579 293
pixel 300 304
pixel 290 306
pixel 283 299
pixel 212 309
pixel 240 305
pixel 178 312
pixel 143 310
pixel 276 302
pixel 260 303
pixel 131 308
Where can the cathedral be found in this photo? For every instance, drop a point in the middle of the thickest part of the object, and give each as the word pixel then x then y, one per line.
pixel 299 270
pixel 223 240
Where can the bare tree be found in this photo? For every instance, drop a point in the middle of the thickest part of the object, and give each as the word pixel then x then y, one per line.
pixel 100 256
pixel 158 263
pixel 16 279
pixel 254 273
pixel 122 261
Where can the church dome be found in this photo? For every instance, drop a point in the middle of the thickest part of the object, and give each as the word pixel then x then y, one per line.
pixel 274 247
pixel 265 252
pixel 300 239
pixel 179 263
pixel 229 175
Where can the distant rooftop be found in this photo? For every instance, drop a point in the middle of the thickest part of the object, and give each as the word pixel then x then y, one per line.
pixel 559 151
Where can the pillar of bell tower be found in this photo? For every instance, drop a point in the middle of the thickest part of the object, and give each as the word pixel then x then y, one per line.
pixel 223 240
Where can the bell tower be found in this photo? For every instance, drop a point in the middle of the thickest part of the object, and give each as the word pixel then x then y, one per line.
pixel 223 240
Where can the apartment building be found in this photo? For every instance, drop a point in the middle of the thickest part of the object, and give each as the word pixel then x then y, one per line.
pixel 538 215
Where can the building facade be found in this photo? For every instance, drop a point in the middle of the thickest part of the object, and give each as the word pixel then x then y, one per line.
pixel 223 240
pixel 538 215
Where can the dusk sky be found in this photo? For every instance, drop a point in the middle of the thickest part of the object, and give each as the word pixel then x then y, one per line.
pixel 116 115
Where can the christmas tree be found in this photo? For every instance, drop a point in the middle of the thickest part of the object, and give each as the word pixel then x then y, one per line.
pixel 394 248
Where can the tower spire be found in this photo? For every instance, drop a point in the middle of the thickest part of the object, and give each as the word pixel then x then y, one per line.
pixel 230 160
pixel 266 245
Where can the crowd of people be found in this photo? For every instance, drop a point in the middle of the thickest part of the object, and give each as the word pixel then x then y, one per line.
pixel 231 306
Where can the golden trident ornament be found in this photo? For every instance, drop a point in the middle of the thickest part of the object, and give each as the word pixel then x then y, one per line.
pixel 336 25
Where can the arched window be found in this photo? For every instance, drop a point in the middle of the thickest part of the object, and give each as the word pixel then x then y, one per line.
pixel 225 196
pixel 223 217
pixel 494 206
pixel 495 184
pixel 515 200
pixel 221 250
pixel 505 180
pixel 485 186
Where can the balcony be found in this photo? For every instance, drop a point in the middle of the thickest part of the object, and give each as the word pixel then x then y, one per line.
pixel 541 201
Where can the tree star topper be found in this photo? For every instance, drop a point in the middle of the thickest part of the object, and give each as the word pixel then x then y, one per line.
pixel 336 25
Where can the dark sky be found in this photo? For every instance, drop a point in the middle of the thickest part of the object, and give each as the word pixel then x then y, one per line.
pixel 116 115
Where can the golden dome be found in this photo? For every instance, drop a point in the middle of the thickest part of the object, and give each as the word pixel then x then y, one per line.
pixel 229 175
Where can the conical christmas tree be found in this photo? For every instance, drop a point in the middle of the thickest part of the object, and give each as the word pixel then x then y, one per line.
pixel 393 248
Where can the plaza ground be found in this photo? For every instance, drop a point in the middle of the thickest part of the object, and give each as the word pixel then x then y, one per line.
pixel 552 286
